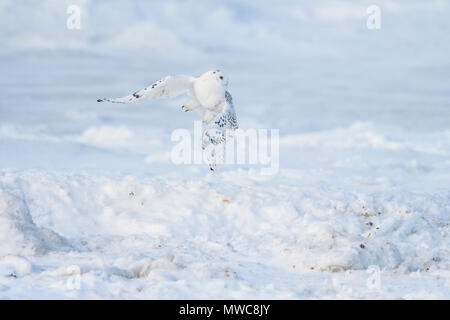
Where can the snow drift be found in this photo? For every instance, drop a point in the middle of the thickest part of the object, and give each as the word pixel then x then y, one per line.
pixel 175 233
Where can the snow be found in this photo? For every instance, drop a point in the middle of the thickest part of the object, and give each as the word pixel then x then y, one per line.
pixel 92 207
pixel 162 238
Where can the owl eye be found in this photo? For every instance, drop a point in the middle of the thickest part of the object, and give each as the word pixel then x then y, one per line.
pixel 221 78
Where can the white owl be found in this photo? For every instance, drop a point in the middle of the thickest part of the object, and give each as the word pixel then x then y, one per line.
pixel 207 93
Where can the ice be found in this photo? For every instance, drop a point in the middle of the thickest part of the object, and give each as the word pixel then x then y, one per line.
pixel 91 205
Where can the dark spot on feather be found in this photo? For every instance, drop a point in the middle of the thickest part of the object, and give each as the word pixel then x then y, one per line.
pixel 99 100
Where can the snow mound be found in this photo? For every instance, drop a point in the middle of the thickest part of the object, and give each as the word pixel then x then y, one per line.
pixel 14 266
pixel 325 228
pixel 342 231
pixel 18 232
pixel 165 237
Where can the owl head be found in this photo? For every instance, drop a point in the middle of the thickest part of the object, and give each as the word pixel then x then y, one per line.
pixel 216 75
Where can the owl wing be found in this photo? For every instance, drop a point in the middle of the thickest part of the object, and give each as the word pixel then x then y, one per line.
pixel 223 122
pixel 227 119
pixel 168 87
pixel 218 131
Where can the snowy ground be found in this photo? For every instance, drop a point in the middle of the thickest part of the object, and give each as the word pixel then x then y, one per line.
pixel 91 205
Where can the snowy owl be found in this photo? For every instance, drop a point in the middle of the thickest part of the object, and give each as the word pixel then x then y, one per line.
pixel 208 93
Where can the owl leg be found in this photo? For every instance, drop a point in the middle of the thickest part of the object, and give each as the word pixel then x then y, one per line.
pixel 191 105
pixel 208 116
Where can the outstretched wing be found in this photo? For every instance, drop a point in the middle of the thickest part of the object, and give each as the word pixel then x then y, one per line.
pixel 227 119
pixel 218 131
pixel 167 87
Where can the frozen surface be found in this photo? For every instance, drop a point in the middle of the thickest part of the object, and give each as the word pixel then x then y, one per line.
pixel 91 205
